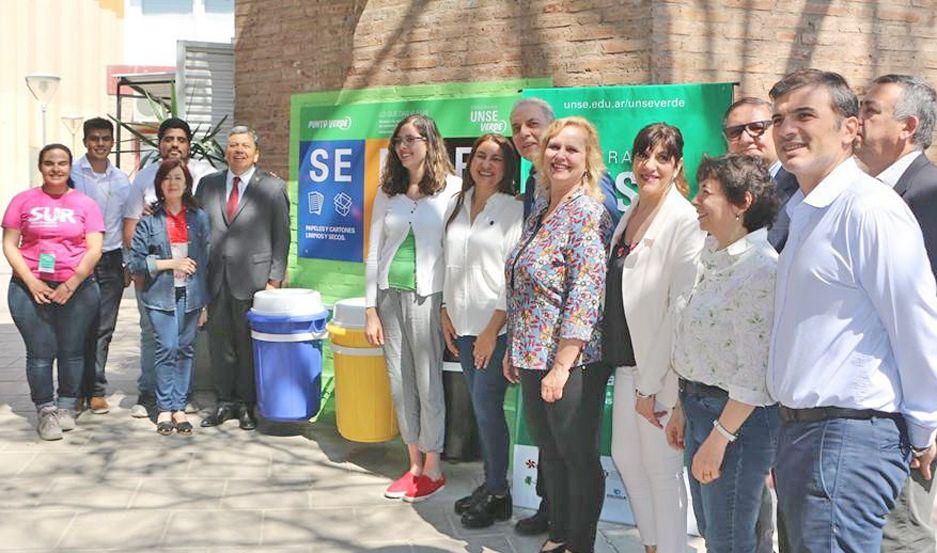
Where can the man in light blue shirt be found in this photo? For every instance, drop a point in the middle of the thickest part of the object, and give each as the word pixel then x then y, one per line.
pixel 853 358
pixel 95 176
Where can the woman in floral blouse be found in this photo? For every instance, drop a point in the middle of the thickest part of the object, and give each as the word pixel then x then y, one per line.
pixel 721 353
pixel 555 278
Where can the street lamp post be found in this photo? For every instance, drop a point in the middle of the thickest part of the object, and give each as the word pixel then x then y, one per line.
pixel 72 123
pixel 42 87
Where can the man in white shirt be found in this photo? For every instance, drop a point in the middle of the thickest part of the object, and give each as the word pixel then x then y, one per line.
pixel 174 138
pixel 897 119
pixel 108 186
pixel 853 359
pixel 746 127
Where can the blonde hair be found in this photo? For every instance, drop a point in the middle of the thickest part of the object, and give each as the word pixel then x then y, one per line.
pixel 595 166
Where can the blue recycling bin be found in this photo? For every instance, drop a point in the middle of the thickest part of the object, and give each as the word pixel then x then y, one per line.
pixel 288 364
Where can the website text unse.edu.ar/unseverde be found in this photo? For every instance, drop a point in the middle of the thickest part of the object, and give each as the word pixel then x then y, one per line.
pixel 625 104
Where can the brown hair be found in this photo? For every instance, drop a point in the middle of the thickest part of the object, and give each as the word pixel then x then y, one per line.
pixel 595 167
pixel 671 141
pixel 739 174
pixel 395 178
pixel 164 168
pixel 507 184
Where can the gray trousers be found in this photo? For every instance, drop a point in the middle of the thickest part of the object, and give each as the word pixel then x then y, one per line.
pixel 413 347
pixel 908 527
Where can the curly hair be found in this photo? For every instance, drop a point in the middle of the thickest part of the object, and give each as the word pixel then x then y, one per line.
pixel 395 179
pixel 595 167
pixel 740 174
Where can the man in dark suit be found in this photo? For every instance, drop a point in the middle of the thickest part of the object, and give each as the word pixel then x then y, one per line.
pixel 746 127
pixel 249 210
pixel 896 125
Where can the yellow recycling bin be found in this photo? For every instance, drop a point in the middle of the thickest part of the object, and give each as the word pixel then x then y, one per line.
pixel 364 410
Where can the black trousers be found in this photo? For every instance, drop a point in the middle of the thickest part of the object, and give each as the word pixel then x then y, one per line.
pixel 568 433
pixel 229 342
pixel 109 273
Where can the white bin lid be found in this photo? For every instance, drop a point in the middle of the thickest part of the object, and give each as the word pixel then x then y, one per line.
pixel 288 302
pixel 349 313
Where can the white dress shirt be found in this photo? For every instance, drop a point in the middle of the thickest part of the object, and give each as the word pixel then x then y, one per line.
pixel 775 167
pixel 893 173
pixel 110 191
pixel 855 322
pixel 723 333
pixel 143 190
pixel 391 221
pixel 475 254
pixel 245 177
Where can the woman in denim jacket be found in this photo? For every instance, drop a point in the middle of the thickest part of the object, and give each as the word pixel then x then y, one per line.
pixel 170 250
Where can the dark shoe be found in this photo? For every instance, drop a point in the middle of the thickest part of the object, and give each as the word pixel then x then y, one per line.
pixel 537 524
pixel 164 428
pixel 490 508
pixel 246 418
pixel 223 413
pixel 462 505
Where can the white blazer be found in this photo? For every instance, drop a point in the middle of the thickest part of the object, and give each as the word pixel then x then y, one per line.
pixel 657 272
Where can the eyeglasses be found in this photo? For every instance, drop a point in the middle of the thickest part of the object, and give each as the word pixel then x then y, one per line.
pixel 408 140
pixel 755 129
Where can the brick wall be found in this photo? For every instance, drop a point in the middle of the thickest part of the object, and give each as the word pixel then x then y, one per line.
pixel 288 46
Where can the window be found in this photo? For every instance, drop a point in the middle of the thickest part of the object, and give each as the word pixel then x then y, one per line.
pixel 219 6
pixel 161 7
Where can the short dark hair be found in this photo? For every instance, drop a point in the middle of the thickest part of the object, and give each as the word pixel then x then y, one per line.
pixel 919 99
pixel 174 123
pixel 842 99
pixel 746 101
pixel 738 174
pixel 165 167
pixel 96 124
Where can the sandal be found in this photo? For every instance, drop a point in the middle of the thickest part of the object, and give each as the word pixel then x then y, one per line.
pixel 164 428
pixel 184 428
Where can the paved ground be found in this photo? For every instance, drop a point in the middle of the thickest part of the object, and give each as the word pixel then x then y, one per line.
pixel 113 484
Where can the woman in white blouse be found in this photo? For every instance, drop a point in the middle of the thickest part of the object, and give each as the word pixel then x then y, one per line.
pixel 726 420
pixel 652 262
pixel 403 289
pixel 483 223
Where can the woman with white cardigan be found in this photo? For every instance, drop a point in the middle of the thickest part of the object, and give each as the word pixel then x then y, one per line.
pixel 653 261
pixel 403 290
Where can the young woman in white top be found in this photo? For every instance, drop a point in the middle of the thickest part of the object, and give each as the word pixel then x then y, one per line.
pixel 403 288
pixel 654 254
pixel 721 347
pixel 483 222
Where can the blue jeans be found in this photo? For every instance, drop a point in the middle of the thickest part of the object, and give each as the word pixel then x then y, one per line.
pixel 54 332
pixel 175 347
pixel 727 509
pixel 146 384
pixel 837 479
pixel 487 389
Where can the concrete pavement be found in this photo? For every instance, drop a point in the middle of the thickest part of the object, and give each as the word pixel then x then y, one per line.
pixel 113 484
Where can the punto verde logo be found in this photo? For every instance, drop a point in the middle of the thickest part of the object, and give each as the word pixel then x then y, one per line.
pixel 343 124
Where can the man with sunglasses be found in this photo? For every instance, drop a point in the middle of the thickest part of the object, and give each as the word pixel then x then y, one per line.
pixel 746 127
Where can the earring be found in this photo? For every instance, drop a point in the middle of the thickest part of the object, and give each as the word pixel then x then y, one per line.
pixel 738 216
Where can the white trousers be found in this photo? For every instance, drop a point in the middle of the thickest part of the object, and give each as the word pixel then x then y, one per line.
pixel 651 470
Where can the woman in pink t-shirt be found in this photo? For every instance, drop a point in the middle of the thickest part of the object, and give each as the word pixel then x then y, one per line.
pixel 52 237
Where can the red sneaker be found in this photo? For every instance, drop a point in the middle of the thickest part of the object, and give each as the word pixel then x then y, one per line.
pixel 400 486
pixel 424 488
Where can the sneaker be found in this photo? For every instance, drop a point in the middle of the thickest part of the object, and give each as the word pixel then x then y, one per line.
pixel 190 408
pixel 463 504
pixel 99 405
pixel 400 487
pixel 424 488
pixel 66 419
pixel 139 411
pixel 48 427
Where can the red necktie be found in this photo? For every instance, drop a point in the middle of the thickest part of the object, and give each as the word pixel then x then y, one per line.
pixel 233 198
